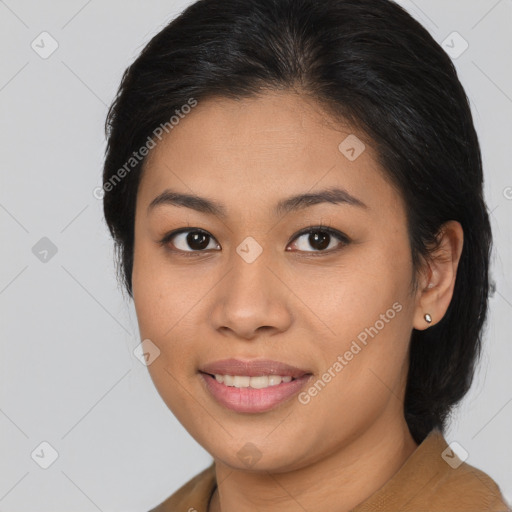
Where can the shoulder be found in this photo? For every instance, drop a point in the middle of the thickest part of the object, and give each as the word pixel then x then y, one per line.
pixel 452 484
pixel 467 488
pixel 193 496
pixel 435 479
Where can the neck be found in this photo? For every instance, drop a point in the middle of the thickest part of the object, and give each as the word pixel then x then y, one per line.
pixel 337 482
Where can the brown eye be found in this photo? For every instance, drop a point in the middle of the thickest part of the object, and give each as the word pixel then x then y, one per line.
pixel 320 239
pixel 190 240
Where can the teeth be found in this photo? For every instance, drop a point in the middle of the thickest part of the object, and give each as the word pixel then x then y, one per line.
pixel 244 381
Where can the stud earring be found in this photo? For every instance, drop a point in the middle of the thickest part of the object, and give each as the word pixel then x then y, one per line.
pixel 428 318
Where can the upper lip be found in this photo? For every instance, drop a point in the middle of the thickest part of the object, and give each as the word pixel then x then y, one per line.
pixel 252 368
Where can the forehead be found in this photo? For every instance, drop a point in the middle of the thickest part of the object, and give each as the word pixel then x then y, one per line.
pixel 255 151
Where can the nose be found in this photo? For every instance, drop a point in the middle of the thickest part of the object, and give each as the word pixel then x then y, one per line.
pixel 252 299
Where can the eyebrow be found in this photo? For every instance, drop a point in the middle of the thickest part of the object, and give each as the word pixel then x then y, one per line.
pixel 294 203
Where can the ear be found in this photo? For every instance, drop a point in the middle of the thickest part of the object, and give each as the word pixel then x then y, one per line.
pixel 437 282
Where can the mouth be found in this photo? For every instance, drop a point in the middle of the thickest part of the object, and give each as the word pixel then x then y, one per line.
pixel 252 386
pixel 256 382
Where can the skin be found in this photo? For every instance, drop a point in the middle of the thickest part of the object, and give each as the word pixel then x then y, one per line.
pixel 302 307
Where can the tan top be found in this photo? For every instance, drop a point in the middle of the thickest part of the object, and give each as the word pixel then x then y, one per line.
pixel 432 479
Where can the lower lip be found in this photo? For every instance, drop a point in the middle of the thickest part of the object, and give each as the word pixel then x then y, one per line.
pixel 251 399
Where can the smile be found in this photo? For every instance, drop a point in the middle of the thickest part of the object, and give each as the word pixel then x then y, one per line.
pixel 245 381
pixel 252 394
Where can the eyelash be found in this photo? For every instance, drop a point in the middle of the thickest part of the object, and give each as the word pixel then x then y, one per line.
pixel 312 229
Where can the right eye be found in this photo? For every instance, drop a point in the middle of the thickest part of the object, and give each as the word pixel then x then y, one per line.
pixel 188 240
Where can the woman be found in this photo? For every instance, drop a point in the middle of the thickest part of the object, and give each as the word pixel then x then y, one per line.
pixel 295 192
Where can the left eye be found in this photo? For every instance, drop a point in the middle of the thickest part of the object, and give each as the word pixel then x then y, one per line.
pixel 321 239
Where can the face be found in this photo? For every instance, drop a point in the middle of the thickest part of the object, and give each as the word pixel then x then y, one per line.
pixel 321 285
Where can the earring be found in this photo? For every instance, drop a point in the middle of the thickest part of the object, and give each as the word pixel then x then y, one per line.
pixel 428 318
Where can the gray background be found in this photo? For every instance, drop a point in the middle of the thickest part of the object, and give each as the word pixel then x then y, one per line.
pixel 68 373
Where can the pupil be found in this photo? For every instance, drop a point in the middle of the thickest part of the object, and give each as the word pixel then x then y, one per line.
pixel 197 240
pixel 319 241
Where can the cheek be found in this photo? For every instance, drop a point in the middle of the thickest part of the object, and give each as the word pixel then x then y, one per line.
pixel 166 301
pixel 350 295
pixel 159 294
pixel 363 369
pixel 366 311
pixel 158 309
pixel 161 316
